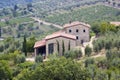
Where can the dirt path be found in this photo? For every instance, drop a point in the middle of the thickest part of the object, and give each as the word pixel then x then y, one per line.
pixel 47 23
pixel 30 59
pixel 87 44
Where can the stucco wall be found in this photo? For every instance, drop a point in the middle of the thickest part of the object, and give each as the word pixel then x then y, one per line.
pixel 81 35
pixel 60 39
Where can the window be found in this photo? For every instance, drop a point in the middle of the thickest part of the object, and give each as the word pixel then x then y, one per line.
pixel 70 31
pixel 51 48
pixel 77 30
pixel 84 30
pixel 77 37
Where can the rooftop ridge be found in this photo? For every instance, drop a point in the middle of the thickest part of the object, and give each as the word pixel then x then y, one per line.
pixel 76 23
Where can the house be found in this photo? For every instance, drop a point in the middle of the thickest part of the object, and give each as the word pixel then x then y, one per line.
pixel 72 35
pixel 79 29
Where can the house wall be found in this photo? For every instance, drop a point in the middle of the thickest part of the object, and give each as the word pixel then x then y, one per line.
pixel 60 39
pixel 81 35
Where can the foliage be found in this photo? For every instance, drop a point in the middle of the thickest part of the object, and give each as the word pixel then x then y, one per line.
pixel 9 45
pixel 92 70
pixel 9 56
pixel 0 32
pixel 5 71
pixel 88 51
pixel 63 48
pixel 103 27
pixel 58 47
pixel 23 75
pixel 111 54
pixel 19 59
pixel 73 54
pixel 96 28
pixel 24 48
pixel 39 58
pixel 53 56
pixel 69 69
pixel 22 66
pixel 30 44
pixel 109 41
pixel 89 61
pixel 69 45
pixel 88 14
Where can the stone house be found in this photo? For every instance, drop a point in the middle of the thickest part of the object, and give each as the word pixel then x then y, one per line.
pixel 72 35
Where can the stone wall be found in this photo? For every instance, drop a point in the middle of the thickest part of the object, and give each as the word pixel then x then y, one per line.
pixel 60 39
pixel 81 34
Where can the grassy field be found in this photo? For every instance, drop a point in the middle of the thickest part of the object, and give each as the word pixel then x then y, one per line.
pixel 86 14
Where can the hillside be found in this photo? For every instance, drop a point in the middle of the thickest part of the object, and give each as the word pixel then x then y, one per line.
pixel 86 14
pixel 6 3
pixel 17 27
pixel 48 3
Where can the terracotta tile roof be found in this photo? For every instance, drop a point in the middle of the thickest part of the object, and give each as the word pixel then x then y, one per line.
pixel 76 23
pixel 40 43
pixel 60 34
pixel 115 23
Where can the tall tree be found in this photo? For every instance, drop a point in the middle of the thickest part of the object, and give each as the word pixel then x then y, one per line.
pixel 15 7
pixel 25 46
pixel 58 49
pixel 69 45
pixel 30 44
pixel 0 32
pixel 96 28
pixel 63 47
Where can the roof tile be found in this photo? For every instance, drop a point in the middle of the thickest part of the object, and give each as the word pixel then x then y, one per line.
pixel 40 43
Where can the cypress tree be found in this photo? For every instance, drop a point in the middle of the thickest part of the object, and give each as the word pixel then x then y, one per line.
pixel 0 31
pixel 69 45
pixel 63 47
pixel 58 49
pixel 25 46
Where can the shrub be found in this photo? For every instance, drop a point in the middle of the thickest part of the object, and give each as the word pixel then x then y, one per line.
pixel 39 58
pixel 5 71
pixel 88 51
pixel 89 61
pixel 53 56
pixel 73 54
pixel 19 59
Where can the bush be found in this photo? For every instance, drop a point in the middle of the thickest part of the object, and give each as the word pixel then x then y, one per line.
pixel 73 54
pixel 88 51
pixel 39 58
pixel 19 59
pixel 5 71
pixel 89 61
pixel 53 56
pixel 108 41
pixel 111 54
